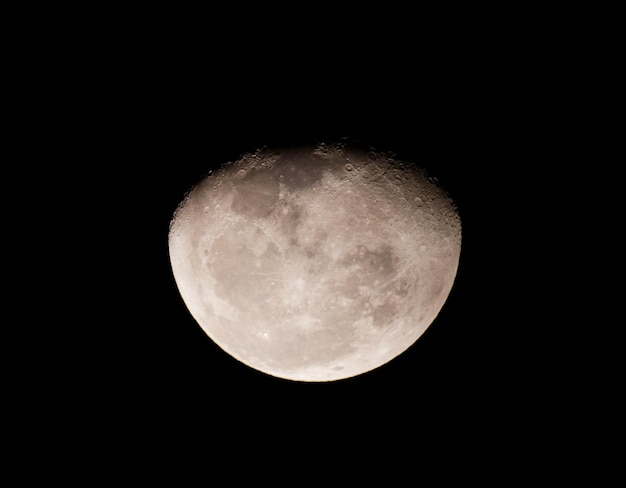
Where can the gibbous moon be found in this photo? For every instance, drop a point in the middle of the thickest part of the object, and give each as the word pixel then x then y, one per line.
pixel 315 263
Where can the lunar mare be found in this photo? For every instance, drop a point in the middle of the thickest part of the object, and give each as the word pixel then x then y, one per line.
pixel 315 263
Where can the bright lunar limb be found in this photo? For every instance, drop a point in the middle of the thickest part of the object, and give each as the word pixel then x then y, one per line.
pixel 315 263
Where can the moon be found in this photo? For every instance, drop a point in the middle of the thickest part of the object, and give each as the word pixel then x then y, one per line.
pixel 315 263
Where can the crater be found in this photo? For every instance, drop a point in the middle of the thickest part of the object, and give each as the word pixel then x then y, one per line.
pixel 403 287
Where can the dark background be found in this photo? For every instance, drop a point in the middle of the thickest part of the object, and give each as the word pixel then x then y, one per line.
pixel 164 131
pixel 118 113
pixel 140 122
pixel 168 136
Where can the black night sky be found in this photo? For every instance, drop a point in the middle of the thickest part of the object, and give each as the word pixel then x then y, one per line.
pixel 131 114
pixel 172 144
pixel 168 121
pixel 113 114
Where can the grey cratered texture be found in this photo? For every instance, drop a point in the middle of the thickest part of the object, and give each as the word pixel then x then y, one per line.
pixel 315 263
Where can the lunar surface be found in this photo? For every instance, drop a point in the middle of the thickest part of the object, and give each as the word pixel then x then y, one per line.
pixel 315 263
